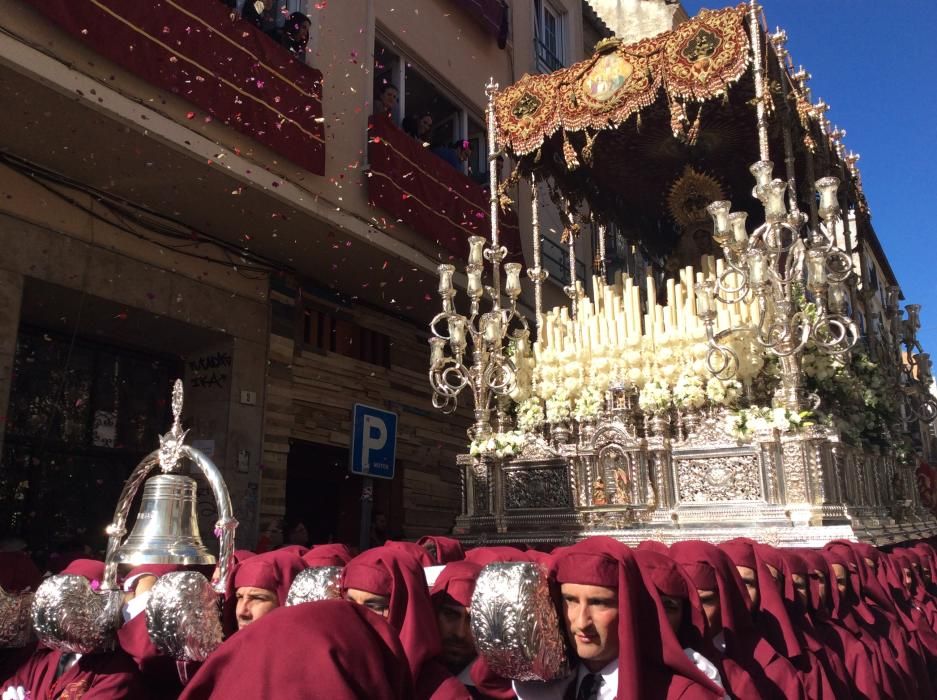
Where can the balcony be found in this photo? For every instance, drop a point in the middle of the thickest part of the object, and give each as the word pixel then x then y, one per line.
pixel 422 191
pixel 229 70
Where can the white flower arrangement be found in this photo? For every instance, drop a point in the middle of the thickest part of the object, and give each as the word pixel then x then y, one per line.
pixel 558 406
pixel 689 393
pixel 745 422
pixel 589 403
pixel 723 392
pixel 530 414
pixel 499 445
pixel 655 397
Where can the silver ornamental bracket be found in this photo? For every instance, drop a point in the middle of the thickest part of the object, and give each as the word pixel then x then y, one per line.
pixel 169 456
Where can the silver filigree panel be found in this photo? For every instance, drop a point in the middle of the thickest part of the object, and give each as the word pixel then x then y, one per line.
pixel 536 488
pixel 719 478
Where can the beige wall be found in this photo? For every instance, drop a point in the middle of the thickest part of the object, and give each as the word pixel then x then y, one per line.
pixel 172 303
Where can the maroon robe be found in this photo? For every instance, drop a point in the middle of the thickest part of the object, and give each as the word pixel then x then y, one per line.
pixel 105 676
pixel 651 662
pixel 336 650
pixel 750 667
pixel 396 573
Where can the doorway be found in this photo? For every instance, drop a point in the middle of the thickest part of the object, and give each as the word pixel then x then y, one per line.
pixel 324 496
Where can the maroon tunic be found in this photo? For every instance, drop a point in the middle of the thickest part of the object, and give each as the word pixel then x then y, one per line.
pixel 336 650
pixel 104 676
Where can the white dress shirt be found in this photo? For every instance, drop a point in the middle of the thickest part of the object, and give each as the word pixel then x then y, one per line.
pixel 554 690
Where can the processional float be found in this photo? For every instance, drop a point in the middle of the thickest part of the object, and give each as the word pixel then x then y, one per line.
pixel 744 386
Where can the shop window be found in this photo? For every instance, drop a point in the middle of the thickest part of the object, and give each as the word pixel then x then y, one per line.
pixel 82 414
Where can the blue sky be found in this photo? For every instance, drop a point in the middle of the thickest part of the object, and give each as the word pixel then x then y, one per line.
pixel 875 63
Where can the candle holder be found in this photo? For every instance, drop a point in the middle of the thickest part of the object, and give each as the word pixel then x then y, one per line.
pixel 474 350
pixel 915 368
pixel 771 267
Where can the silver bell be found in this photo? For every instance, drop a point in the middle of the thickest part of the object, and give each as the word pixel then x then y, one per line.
pixel 166 530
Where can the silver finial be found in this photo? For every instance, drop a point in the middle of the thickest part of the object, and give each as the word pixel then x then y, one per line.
pixel 171 444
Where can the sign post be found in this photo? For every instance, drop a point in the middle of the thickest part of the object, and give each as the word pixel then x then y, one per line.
pixel 373 451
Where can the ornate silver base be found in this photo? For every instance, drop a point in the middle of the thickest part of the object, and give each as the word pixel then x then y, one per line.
pixel 800 489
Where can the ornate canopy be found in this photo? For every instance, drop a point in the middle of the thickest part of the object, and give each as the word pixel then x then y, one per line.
pixel 644 133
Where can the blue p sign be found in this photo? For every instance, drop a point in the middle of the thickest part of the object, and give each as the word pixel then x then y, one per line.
pixel 373 442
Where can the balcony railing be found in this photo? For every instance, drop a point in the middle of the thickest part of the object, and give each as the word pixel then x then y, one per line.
pixel 227 68
pixel 427 194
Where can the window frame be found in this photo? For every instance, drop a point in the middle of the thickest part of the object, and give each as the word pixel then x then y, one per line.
pixel 549 58
pixel 403 61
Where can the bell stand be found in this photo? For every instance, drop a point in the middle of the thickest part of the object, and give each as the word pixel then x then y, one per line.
pixel 168 457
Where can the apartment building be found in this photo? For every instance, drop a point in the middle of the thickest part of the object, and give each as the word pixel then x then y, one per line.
pixel 183 196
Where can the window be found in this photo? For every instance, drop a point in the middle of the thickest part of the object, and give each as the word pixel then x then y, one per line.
pixel 418 95
pixel 550 37
pixel 329 332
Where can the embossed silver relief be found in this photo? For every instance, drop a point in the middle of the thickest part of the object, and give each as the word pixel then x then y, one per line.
pixel 515 623
pixel 536 488
pixel 723 478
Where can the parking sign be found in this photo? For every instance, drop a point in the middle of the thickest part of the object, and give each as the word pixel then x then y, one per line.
pixel 373 442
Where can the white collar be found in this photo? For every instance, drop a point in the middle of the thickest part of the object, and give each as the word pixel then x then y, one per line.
pixel 465 675
pixel 135 606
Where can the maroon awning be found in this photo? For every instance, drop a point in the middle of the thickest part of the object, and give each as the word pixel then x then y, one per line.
pixel 427 194
pixel 227 68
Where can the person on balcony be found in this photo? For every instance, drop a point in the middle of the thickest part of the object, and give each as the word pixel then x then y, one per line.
pixel 295 35
pixel 419 126
pixel 385 101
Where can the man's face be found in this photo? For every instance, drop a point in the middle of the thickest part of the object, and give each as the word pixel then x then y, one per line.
pixel 379 604
pixel 253 604
pixel 301 33
pixel 818 576
pixel 712 609
pixel 750 579
pixel 380 521
pixel 591 622
pixel 800 587
pixel 389 98
pixel 673 607
pixel 424 125
pixel 455 629
pixel 842 578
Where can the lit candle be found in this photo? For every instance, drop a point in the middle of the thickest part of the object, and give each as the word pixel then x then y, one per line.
pixel 837 297
pixel 436 350
pixel 816 268
pixel 827 187
pixel 476 254
pixel 719 211
pixel 762 170
pixel 757 268
pixel 705 300
pixel 512 283
pixel 772 196
pixel 491 327
pixel 522 342
pixel 457 333
pixel 445 278
pixel 474 287
pixel 737 223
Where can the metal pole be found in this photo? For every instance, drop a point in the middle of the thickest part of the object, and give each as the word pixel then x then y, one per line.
pixel 758 72
pixel 367 504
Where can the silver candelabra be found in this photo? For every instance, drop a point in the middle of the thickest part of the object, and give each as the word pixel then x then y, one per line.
pixel 782 259
pixel 487 368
